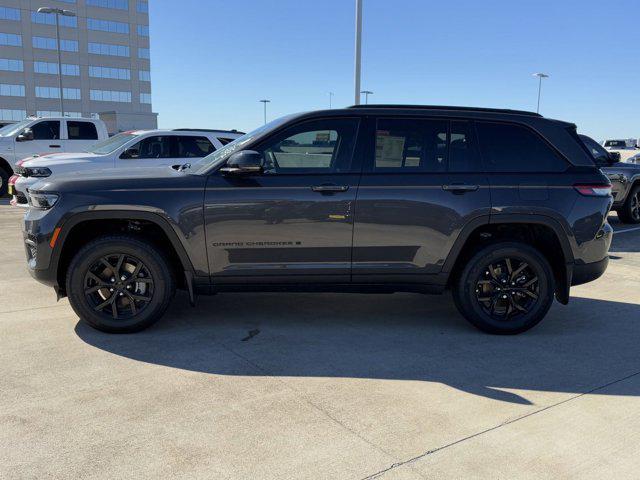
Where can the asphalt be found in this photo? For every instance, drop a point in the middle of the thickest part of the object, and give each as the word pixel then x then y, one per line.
pixel 340 386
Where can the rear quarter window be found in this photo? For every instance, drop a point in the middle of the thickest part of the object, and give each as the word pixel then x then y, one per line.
pixel 82 131
pixel 510 148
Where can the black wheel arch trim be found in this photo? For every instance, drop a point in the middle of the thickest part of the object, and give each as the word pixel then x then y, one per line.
pixel 70 221
pixel 562 288
pixel 9 168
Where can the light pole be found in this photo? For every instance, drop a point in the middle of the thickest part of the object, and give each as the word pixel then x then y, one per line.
pixel 366 95
pixel 66 13
pixel 265 101
pixel 540 77
pixel 330 98
pixel 358 53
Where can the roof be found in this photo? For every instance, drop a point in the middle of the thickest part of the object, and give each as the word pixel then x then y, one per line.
pixel 175 131
pixel 445 108
pixel 207 130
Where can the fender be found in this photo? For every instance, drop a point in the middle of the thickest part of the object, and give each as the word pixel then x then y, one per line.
pixel 562 288
pixel 68 222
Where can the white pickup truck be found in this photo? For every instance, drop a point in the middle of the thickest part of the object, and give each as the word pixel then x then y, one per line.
pixel 37 136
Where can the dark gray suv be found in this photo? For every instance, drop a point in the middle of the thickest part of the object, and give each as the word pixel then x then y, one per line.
pixel 505 208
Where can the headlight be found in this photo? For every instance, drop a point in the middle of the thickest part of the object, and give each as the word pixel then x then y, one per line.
pixel 37 172
pixel 43 201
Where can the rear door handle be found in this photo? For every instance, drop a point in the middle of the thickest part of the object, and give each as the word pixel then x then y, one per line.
pixel 460 188
pixel 54 146
pixel 329 188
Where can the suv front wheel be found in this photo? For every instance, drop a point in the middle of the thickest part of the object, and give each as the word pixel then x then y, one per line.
pixel 119 284
pixel 505 288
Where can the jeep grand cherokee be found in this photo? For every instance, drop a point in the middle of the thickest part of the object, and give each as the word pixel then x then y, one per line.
pixel 505 208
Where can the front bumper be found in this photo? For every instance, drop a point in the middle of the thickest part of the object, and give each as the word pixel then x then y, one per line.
pixel 37 230
pixel 588 272
pixel 20 186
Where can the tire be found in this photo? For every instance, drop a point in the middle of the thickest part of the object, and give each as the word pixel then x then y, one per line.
pixel 503 313
pixel 138 304
pixel 630 211
pixel 4 181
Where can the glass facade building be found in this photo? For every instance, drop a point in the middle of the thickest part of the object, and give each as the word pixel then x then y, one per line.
pixel 105 56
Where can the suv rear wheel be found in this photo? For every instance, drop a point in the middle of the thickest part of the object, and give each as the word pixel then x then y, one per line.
pixel 119 284
pixel 506 288
pixel 630 211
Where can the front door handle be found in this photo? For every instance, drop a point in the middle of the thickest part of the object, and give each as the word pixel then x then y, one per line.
pixel 54 146
pixel 329 188
pixel 460 188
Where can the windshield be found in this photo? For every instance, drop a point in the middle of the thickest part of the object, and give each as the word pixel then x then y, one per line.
pixel 111 144
pixel 13 128
pixel 221 155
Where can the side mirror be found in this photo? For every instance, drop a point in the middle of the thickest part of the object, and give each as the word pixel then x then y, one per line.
pixel 130 153
pixel 25 136
pixel 245 162
pixel 614 157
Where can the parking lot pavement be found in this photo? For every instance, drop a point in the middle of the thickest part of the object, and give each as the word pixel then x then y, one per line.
pixel 326 386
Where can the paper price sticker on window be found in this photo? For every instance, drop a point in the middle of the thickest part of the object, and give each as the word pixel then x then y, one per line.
pixel 389 149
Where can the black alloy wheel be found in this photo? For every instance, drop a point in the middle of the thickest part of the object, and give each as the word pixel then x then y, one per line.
pixel 119 286
pixel 507 288
pixel 630 211
pixel 120 283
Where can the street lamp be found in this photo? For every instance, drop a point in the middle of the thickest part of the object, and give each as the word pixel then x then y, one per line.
pixel 265 101
pixel 366 95
pixel 330 98
pixel 65 13
pixel 540 77
pixel 358 53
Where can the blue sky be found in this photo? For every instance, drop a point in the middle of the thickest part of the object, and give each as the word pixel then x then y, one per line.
pixel 213 60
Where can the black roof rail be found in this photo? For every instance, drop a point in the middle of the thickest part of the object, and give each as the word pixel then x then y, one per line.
pixel 207 130
pixel 448 107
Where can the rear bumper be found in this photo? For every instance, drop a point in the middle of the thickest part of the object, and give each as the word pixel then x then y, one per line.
pixel 588 272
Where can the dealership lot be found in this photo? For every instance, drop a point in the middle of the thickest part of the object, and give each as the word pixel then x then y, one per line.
pixel 320 385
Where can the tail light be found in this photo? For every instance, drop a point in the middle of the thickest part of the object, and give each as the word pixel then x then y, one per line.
pixel 594 190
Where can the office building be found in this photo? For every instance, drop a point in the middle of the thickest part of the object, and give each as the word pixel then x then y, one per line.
pixel 105 61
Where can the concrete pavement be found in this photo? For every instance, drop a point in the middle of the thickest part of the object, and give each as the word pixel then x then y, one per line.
pixel 332 386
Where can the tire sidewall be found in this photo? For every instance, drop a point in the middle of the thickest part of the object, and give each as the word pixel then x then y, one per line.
pixel 86 257
pixel 625 214
pixel 471 309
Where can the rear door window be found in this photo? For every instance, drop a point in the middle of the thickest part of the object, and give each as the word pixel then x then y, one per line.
pixel 193 147
pixel 410 145
pixel 81 130
pixel 463 151
pixel 509 148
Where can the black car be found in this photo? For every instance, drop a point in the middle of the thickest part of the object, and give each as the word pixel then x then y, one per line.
pixel 505 208
pixel 625 179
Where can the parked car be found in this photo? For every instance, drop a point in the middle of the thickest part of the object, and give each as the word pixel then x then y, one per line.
pixel 506 208
pixel 140 148
pixel 625 180
pixel 620 144
pixel 34 136
pixel 635 159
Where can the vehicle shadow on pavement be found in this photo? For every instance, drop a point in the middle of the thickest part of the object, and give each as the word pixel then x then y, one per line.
pixel 576 349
